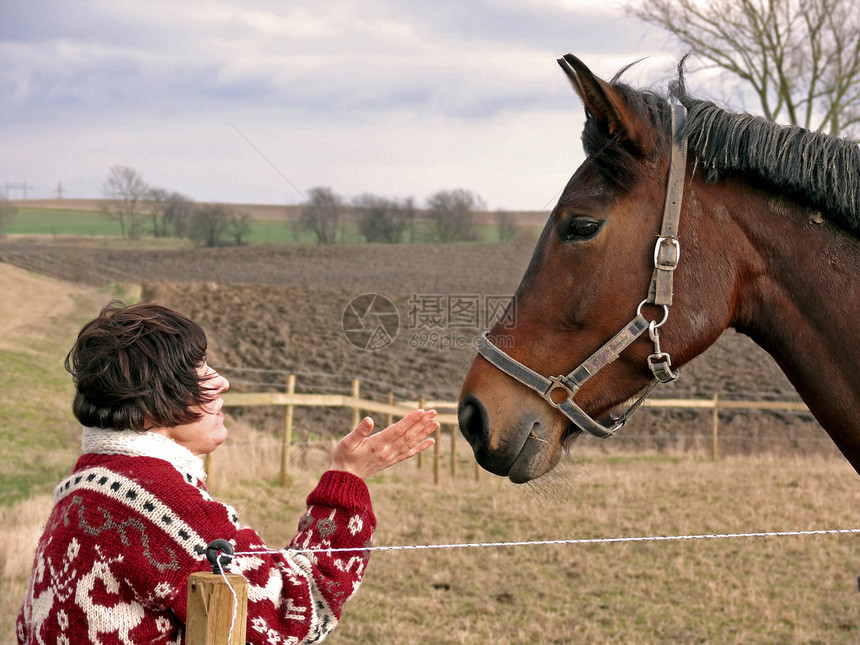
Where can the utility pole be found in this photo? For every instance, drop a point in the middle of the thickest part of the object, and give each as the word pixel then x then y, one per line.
pixel 17 185
pixel 59 190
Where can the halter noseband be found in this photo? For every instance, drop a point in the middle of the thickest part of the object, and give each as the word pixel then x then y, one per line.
pixel 667 252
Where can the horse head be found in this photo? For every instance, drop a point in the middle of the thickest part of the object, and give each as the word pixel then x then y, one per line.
pixel 588 277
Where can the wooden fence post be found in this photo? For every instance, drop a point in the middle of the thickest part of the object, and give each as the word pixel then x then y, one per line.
pixel 453 452
pixel 715 428
pixel 287 437
pixel 390 402
pixel 436 454
pixel 356 413
pixel 356 390
pixel 211 606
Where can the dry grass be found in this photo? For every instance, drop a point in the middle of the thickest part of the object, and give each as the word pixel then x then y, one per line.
pixel 745 590
pixel 765 590
pixel 750 590
pixel 20 528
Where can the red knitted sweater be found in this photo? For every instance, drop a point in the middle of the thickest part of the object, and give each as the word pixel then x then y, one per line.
pixel 131 524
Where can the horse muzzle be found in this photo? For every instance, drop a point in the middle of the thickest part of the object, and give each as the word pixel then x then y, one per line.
pixel 522 448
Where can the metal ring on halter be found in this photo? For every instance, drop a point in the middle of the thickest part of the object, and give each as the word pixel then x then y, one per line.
pixel 665 313
pixel 558 384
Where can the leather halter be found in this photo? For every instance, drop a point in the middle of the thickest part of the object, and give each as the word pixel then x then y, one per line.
pixel 666 255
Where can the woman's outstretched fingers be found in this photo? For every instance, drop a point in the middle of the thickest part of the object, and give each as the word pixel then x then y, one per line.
pixel 365 454
pixel 418 436
pixel 403 426
pixel 413 431
pixel 412 423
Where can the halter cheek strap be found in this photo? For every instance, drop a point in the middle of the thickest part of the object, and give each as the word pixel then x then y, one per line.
pixel 559 391
pixel 667 251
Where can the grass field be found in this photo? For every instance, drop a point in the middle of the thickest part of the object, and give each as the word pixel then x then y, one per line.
pixel 41 221
pixel 744 590
pixel 81 223
pixel 49 222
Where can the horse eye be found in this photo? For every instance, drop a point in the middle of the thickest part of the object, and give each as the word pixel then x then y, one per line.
pixel 580 228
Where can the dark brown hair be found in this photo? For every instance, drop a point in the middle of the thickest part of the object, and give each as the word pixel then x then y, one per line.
pixel 137 364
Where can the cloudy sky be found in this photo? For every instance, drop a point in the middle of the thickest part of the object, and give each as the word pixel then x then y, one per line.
pixel 258 101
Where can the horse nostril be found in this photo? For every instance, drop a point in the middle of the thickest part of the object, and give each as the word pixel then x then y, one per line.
pixel 472 417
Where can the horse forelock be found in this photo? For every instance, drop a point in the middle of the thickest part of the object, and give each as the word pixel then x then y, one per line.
pixel 816 169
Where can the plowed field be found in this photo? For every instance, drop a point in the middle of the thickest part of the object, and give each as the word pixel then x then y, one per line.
pixel 272 310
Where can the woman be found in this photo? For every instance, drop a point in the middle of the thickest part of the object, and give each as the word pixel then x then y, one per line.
pixel 132 521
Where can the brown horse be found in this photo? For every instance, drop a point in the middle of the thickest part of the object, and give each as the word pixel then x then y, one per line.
pixel 756 228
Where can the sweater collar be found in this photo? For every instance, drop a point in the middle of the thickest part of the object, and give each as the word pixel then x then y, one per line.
pixel 131 443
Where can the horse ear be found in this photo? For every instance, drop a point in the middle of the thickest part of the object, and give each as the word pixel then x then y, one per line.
pixel 607 105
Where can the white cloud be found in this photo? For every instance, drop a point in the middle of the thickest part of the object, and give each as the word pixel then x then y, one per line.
pixel 382 96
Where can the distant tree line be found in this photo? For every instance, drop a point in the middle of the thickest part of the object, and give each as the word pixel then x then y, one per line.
pixel 448 216
pixel 141 209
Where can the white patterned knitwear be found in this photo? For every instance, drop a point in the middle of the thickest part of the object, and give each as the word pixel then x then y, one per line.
pixel 132 522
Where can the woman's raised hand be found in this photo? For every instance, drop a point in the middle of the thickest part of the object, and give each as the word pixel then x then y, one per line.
pixel 364 454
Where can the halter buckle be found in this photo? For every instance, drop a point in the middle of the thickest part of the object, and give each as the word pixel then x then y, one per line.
pixel 660 365
pixel 667 253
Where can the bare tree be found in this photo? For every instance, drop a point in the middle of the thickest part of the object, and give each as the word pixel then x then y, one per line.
pixel 125 194
pixel 170 213
pixel 453 214
pixel 321 215
pixel 238 226
pixel 802 57
pixel 210 224
pixel 505 225
pixel 381 219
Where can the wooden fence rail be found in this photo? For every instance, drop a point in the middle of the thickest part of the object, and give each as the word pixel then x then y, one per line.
pixel 290 399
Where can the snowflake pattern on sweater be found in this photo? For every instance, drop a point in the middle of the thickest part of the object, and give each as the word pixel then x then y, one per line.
pixel 132 522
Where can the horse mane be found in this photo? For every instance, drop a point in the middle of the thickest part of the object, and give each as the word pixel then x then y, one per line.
pixel 815 169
